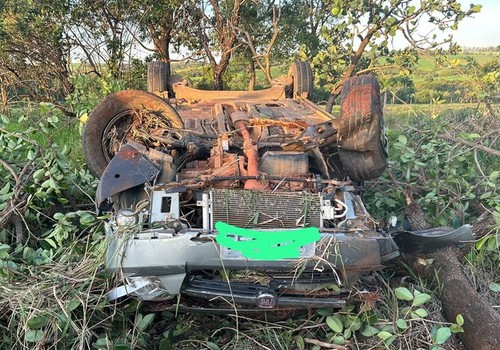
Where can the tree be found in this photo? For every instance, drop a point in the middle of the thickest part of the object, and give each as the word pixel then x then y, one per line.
pixel 369 26
pixel 163 23
pixel 259 31
pixel 215 26
pixel 401 88
pixel 33 49
pixel 98 29
pixel 302 23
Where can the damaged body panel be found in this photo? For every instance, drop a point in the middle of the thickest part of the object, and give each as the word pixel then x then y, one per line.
pixel 243 198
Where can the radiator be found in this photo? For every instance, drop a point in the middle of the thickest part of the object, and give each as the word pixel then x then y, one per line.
pixel 263 209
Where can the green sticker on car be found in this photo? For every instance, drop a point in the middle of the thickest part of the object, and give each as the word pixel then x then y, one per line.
pixel 265 245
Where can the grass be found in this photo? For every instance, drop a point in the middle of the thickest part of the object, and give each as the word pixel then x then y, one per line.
pixel 95 321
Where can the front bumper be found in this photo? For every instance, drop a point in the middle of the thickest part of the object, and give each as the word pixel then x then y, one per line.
pixel 166 261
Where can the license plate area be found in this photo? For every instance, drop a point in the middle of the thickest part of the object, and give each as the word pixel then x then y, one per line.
pixel 306 251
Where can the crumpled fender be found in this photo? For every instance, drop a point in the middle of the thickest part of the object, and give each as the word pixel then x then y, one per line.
pixel 127 169
pixel 426 241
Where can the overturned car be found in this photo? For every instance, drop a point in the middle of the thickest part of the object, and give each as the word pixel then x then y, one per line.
pixel 243 198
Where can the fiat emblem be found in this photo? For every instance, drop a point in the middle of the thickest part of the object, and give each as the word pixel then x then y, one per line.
pixel 266 301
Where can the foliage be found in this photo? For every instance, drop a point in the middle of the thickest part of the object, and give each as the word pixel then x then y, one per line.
pixel 135 77
pixel 90 89
pixel 33 179
pixel 385 326
pixel 448 178
pixel 401 89
pixel 373 25
pixel 98 30
pixel 33 55
pixel 102 34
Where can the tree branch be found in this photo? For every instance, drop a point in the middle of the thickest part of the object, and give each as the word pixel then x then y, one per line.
pixel 472 144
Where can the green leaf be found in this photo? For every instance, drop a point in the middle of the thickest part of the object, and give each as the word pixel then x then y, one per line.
pixel 476 8
pixel 494 287
pixel 37 175
pixel 353 322
pixel 339 340
pixel 212 345
pixel 347 333
pixel 73 304
pixel 165 344
pixel 402 324
pixel 402 139
pixel 442 335
pixel 37 322
pixel 369 331
pixel 4 250
pixel 384 335
pixel 58 216
pixel 5 189
pixel 325 311
pixel 421 299
pixel 34 336
pixel 460 320
pixel 455 328
pixel 51 242
pixel 334 323
pixel 403 293
pixel 421 312
pixel 299 341
pixel 144 321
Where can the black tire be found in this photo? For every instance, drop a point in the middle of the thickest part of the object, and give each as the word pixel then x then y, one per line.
pixel 301 73
pixel 114 116
pixel 361 138
pixel 157 78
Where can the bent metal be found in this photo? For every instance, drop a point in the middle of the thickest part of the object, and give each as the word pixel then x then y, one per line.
pixel 243 199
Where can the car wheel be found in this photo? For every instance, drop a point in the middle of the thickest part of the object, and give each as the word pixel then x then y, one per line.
pixel 301 73
pixel 362 142
pixel 157 78
pixel 120 117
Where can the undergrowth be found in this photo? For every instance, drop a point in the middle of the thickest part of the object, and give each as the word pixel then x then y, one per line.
pixel 53 284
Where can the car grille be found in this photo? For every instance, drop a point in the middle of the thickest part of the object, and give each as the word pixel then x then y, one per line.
pixel 260 209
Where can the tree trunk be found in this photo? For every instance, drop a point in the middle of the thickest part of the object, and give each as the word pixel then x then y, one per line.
pixel 482 322
pixel 162 36
pixel 218 82
pixel 251 75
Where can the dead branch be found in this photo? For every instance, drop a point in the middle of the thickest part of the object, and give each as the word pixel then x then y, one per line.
pixel 324 344
pixel 472 144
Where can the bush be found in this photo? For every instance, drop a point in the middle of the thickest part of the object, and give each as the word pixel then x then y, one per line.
pixel 449 178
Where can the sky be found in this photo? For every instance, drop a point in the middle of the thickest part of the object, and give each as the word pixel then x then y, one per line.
pixel 481 30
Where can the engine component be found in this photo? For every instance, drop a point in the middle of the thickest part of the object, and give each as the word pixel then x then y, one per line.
pixel 284 163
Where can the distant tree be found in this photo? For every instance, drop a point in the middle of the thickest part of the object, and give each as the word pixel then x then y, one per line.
pixel 302 23
pixel 364 29
pixel 483 81
pixel 98 30
pixel 259 31
pixel 401 89
pixel 34 52
pixel 214 23
pixel 163 23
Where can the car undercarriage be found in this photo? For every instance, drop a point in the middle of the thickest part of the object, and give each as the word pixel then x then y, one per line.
pixel 244 198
